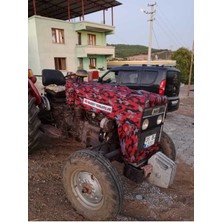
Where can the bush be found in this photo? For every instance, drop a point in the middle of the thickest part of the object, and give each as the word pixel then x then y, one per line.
pixel 183 61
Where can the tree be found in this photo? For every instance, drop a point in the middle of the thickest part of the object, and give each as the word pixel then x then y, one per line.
pixel 183 61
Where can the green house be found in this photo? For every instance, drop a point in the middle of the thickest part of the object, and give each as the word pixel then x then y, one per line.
pixel 67 46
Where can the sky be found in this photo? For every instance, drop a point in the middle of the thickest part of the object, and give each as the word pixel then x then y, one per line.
pixel 173 26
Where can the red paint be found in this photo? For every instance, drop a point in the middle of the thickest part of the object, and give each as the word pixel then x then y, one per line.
pixel 35 92
pixel 34 6
pixel 69 10
pixel 126 109
pixel 83 10
pixel 94 75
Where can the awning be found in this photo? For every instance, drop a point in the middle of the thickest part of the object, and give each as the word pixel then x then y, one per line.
pixel 65 9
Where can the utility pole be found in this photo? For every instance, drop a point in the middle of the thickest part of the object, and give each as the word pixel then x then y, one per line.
pixel 191 67
pixel 151 30
pixel 151 13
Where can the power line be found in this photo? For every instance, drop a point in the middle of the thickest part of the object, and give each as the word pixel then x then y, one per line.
pixel 171 32
pixel 166 32
pixel 174 28
pixel 156 38
pixel 170 28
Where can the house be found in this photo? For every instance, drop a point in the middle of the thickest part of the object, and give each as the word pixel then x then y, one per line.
pixel 55 42
pixel 91 49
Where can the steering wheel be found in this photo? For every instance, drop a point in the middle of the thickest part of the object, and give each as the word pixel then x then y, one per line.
pixel 68 76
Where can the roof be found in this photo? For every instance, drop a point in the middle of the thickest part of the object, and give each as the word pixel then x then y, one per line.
pixel 141 62
pixel 59 8
pixel 142 67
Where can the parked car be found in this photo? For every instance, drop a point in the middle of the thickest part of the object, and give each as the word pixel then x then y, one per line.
pixel 157 79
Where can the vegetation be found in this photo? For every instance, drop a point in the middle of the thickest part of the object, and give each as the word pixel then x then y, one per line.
pixel 123 51
pixel 183 61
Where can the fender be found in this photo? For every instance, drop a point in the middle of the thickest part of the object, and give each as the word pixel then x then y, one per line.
pixel 34 92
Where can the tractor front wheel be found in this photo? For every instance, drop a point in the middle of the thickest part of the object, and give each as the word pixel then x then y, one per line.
pixel 167 146
pixel 92 185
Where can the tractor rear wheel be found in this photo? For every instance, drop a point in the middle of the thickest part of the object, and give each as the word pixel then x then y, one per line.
pixel 34 123
pixel 92 185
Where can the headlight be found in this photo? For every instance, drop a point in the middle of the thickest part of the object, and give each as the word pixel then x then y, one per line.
pixel 145 124
pixel 159 120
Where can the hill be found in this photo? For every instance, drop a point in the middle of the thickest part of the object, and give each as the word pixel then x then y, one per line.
pixel 124 51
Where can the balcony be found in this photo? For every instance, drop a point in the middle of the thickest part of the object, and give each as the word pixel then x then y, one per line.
pixel 84 51
pixel 94 27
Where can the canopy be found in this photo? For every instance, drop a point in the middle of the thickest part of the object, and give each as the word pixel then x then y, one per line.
pixel 66 9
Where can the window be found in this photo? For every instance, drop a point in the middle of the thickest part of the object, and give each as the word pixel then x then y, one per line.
pixel 60 63
pixel 58 36
pixel 111 77
pixel 129 77
pixel 79 38
pixel 173 76
pixel 92 63
pixel 148 77
pixel 91 39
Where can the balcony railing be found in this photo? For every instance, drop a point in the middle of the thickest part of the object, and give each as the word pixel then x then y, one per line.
pixel 85 50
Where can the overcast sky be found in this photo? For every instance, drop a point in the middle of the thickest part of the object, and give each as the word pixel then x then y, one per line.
pixel 173 26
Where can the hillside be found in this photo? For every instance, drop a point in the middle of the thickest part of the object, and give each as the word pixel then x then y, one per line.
pixel 123 51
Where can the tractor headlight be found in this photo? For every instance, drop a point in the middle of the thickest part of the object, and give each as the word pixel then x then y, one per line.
pixel 145 124
pixel 159 120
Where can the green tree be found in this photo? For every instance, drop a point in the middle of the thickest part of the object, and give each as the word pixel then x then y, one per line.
pixel 183 61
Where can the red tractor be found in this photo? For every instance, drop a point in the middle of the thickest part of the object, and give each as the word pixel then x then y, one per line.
pixel 112 122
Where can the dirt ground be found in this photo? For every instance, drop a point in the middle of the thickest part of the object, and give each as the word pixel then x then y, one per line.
pixel 47 200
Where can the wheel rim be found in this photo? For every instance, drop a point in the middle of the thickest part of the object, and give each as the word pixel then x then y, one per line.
pixel 87 189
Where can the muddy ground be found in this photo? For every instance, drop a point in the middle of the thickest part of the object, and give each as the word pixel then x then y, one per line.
pixel 47 200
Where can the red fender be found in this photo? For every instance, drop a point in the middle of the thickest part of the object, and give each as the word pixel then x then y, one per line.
pixel 35 92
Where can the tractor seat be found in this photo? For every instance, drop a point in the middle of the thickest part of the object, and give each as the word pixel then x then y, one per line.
pixel 54 82
pixel 52 76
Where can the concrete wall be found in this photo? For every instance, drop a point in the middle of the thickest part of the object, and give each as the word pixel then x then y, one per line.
pixel 84 51
pixel 100 38
pixel 100 62
pixel 47 50
pixel 33 52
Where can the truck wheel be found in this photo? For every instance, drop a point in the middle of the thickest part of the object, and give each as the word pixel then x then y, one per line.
pixel 167 146
pixel 92 185
pixel 34 123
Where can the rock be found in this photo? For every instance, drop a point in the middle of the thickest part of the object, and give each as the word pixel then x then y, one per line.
pixel 139 197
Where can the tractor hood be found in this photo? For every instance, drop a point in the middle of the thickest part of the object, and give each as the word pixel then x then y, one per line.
pixel 120 103
pixel 117 102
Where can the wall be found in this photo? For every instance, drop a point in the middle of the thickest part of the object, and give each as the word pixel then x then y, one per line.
pixel 33 52
pixel 100 38
pixel 100 60
pixel 47 50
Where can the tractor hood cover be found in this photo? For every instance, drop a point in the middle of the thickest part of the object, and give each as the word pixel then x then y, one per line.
pixel 124 105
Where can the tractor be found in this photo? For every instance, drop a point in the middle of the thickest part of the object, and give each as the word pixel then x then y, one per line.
pixel 112 123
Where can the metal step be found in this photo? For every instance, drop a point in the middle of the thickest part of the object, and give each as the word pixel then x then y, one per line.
pixel 163 172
